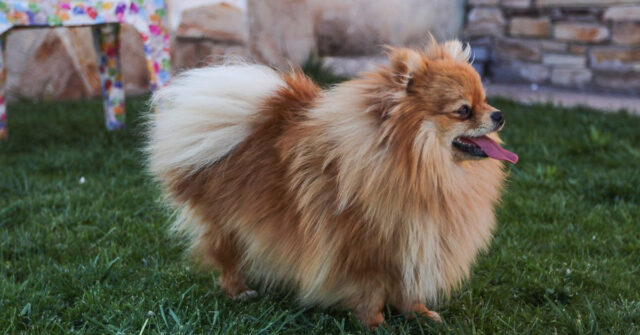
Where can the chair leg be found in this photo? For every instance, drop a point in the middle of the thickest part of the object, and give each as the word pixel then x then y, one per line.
pixel 3 107
pixel 156 50
pixel 107 44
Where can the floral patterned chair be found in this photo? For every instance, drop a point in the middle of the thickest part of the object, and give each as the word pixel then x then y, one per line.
pixel 105 16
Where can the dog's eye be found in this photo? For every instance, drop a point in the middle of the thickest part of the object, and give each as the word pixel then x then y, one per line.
pixel 464 112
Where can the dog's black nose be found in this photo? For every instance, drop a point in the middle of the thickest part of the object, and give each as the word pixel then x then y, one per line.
pixel 497 117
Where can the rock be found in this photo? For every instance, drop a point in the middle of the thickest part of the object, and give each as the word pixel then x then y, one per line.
pixel 58 63
pixel 581 32
pixel 564 60
pixel 479 53
pixel 577 14
pixel 189 53
pixel 553 46
pixel 530 27
pixel 361 27
pixel 280 31
pixel 133 61
pixel 535 73
pixel 479 40
pixel 577 49
pixel 622 13
pixel 221 22
pixel 506 71
pixel 352 66
pixel 176 8
pixel 571 77
pixel 617 59
pixel 336 34
pixel 209 34
pixel 485 21
pixel 515 49
pixel 516 3
pixel 582 3
pixel 627 33
pixel 483 2
pixel 619 81
pixel 479 67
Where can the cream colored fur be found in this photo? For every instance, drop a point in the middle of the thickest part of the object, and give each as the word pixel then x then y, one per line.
pixel 204 113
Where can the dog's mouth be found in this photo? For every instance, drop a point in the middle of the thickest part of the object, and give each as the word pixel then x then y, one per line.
pixel 483 146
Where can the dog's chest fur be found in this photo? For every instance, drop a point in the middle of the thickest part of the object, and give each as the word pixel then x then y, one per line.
pixel 442 242
pixel 439 252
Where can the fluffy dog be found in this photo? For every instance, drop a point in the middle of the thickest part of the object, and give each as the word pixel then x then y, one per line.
pixel 378 190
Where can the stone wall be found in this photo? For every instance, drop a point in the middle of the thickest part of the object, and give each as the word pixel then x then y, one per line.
pixel 580 44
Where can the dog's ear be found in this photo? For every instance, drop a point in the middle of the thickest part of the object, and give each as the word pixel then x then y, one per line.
pixel 405 63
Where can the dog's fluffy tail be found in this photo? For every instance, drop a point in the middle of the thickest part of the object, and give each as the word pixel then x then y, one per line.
pixel 203 114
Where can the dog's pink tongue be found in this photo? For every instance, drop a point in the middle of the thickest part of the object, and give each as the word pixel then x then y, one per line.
pixel 493 149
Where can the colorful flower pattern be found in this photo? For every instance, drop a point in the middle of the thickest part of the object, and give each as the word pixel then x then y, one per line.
pixel 107 46
pixel 147 16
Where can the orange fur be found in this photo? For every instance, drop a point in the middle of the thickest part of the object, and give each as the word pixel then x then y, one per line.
pixel 351 196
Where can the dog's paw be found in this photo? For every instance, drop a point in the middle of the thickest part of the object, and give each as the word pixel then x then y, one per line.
pixel 421 309
pixel 246 295
pixel 434 316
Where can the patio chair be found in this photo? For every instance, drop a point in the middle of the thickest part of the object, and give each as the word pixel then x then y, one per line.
pixel 148 17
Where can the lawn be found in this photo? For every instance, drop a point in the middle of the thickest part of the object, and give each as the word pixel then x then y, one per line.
pixel 84 247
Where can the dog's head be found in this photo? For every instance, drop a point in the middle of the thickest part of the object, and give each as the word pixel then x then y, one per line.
pixel 440 94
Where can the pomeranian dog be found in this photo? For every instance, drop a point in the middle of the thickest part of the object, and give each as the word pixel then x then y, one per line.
pixel 379 190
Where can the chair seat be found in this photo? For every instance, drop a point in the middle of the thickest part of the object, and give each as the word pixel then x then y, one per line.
pixel 79 12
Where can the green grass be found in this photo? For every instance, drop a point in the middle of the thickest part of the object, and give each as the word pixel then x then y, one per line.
pixel 94 257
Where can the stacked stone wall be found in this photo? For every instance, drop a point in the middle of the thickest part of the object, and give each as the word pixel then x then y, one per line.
pixel 581 44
